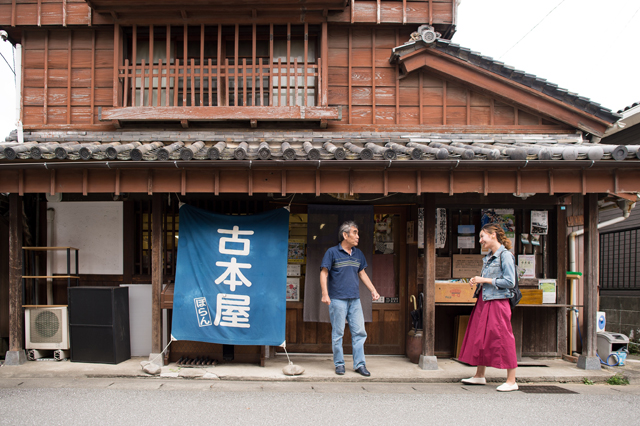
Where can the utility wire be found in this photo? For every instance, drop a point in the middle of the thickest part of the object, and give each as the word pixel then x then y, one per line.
pixel 533 28
pixel 629 21
pixel 8 64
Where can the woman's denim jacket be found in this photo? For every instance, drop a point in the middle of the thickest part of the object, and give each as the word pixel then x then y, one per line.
pixel 503 274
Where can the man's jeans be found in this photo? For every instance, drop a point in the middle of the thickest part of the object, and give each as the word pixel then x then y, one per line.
pixel 351 310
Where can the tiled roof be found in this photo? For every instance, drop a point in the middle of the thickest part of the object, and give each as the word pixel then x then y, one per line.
pixel 633 105
pixel 536 83
pixel 255 145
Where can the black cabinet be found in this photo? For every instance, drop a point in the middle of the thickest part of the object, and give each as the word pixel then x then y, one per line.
pixel 99 324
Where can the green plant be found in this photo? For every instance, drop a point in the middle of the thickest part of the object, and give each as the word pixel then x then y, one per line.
pixel 618 379
pixel 634 348
pixel 587 381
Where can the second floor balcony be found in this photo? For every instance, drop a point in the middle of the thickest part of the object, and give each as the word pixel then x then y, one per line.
pixel 213 73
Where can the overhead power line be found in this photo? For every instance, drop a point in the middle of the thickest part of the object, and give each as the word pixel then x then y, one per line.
pixel 533 28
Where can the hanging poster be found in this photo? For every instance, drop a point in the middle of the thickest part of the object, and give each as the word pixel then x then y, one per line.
pixel 231 278
pixel 293 289
pixel 441 228
pixel 504 218
pixel 539 222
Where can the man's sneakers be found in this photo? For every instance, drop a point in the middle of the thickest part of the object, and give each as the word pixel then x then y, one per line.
pixel 363 371
pixel 475 381
pixel 340 370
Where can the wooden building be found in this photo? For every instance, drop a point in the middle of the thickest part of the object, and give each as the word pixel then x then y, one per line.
pixel 243 106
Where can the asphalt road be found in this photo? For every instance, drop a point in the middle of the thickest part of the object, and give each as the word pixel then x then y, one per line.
pixel 205 402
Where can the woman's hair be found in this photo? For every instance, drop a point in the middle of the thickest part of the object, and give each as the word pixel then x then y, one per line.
pixel 492 228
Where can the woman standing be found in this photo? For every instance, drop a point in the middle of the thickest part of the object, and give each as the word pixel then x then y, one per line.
pixel 489 341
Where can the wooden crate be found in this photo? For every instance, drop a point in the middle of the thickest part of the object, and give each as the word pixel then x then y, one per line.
pixel 454 293
pixel 531 296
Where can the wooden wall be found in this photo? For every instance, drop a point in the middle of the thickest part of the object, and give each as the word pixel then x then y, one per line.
pixel 77 12
pixel 68 74
pixel 362 80
pixel 48 13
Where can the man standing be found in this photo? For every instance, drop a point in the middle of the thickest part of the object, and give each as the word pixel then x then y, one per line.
pixel 341 270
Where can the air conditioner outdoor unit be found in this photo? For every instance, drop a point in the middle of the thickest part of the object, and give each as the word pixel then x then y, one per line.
pixel 47 327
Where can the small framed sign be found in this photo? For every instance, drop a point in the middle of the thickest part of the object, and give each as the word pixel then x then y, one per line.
pixel 293 289
pixel 294 270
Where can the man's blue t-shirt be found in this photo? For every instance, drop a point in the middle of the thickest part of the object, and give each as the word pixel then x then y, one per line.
pixel 343 281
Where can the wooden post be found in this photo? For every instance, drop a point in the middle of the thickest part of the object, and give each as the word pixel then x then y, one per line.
pixel 588 360
pixel 561 268
pixel 428 360
pixel 15 355
pixel 156 277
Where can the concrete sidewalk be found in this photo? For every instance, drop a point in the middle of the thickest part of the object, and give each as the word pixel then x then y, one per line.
pixel 319 368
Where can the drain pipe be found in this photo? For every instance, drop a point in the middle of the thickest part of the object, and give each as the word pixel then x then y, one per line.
pixel 18 70
pixel 626 208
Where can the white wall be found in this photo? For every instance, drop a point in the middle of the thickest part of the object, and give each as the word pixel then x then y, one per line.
pixel 94 227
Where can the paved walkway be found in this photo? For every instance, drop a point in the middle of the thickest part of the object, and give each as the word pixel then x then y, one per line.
pixel 319 368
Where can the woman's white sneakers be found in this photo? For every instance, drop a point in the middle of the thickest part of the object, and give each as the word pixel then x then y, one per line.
pixel 475 381
pixel 505 387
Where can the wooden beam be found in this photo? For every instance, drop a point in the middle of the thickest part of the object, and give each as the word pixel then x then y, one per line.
pixel 561 268
pixel 16 315
pixel 156 273
pixel 429 284
pixel 298 113
pixel 45 108
pixel 588 359
pixel 284 183
pixel 69 79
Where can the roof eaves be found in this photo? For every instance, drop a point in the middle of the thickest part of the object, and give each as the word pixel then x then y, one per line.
pixel 529 80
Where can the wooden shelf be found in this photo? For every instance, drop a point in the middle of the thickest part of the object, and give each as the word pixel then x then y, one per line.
pixel 543 305
pixel 67 276
pixel 48 248
pixel 51 276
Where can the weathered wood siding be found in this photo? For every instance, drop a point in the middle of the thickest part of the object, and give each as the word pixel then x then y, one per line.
pixel 402 11
pixel 49 13
pixel 78 12
pixel 68 74
pixel 362 80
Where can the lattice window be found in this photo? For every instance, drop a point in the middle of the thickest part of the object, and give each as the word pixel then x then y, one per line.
pixel 619 260
pixel 220 65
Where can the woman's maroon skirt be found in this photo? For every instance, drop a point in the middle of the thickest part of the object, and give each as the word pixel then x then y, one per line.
pixel 489 338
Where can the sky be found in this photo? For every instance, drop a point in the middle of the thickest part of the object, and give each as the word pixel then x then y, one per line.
pixel 589 47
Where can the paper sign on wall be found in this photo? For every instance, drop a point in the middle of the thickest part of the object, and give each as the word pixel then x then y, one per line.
pixel 526 266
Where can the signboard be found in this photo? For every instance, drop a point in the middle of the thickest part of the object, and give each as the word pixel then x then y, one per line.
pixel 467 265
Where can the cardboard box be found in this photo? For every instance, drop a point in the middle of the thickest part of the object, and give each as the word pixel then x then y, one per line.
pixel 454 293
pixel 531 296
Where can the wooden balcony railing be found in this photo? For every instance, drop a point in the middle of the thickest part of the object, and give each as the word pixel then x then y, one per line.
pixel 288 83
pixel 193 84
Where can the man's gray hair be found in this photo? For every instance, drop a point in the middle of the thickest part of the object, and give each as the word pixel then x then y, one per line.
pixel 346 227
